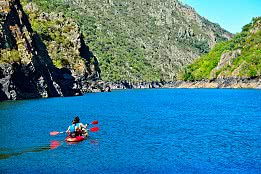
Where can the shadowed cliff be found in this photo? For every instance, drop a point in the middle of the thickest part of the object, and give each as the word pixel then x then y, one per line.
pixel 28 69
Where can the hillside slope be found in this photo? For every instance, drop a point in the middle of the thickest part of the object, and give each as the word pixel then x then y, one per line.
pixel 140 40
pixel 239 57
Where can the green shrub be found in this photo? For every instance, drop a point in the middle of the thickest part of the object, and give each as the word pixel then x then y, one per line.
pixel 9 56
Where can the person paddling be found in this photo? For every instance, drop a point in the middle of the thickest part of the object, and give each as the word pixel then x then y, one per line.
pixel 77 129
pixel 72 130
pixel 81 128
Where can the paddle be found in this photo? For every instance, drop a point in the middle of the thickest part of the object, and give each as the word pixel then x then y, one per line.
pixel 93 129
pixel 94 122
pixel 56 133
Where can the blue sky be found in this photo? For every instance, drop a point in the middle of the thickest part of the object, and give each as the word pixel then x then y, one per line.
pixel 231 15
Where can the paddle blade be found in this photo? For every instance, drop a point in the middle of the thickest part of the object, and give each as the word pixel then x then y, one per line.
pixel 95 122
pixel 54 133
pixel 94 129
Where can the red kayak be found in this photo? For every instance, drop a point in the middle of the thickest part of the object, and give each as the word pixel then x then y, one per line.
pixel 76 139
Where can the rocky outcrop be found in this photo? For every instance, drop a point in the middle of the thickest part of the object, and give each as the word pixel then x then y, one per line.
pixel 254 83
pixel 225 60
pixel 26 66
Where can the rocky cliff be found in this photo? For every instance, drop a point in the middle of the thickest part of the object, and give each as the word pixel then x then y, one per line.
pixel 28 68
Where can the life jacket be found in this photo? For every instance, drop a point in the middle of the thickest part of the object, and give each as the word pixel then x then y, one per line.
pixel 78 125
pixel 72 128
pixel 73 131
pixel 79 130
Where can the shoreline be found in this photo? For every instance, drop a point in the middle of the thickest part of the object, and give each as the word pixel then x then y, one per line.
pixel 226 83
pixel 101 86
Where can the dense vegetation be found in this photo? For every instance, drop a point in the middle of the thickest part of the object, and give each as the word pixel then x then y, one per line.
pixel 120 58
pixel 246 62
pixel 9 55
pixel 134 40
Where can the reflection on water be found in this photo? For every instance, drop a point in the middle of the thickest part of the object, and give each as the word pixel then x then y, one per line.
pixel 94 142
pixel 7 152
pixel 54 144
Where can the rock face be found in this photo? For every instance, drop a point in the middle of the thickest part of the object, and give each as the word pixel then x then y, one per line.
pixel 254 83
pixel 26 68
pixel 225 60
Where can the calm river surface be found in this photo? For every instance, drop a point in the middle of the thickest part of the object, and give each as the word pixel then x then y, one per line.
pixel 141 131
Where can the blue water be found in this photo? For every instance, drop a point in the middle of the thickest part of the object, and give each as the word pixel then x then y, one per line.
pixel 141 131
